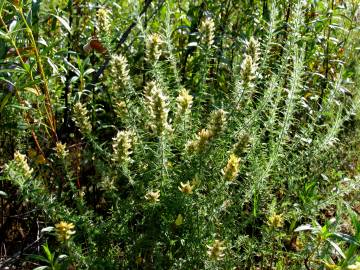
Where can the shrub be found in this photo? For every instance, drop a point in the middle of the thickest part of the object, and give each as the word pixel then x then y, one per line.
pixel 182 135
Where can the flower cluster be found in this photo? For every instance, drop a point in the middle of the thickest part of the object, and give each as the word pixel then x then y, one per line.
pixel 120 109
pixel 153 47
pixel 64 231
pixel 207 30
pixel 122 145
pixel 61 151
pixel 21 164
pixel 200 142
pixel 248 71
pixel 217 122
pixel 231 169
pixel 276 221
pixel 157 103
pixel 119 71
pixel 249 65
pixel 184 102
pixel 253 49
pixel 103 18
pixel 242 145
pixel 186 188
pixel 153 196
pixel 355 266
pixel 216 125
pixel 216 250
pixel 81 118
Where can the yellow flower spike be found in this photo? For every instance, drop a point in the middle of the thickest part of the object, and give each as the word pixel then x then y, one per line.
pixel 276 221
pixel 153 196
pixel 331 266
pixel 186 188
pixel 103 18
pixel 207 29
pixel 355 266
pixel 231 170
pixel 61 151
pixel 216 250
pixel 64 231
pixel 184 102
pixel 22 164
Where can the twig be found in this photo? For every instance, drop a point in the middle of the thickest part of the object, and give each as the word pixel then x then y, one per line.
pixel 18 254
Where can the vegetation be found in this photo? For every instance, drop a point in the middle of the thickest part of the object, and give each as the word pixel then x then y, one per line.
pixel 179 134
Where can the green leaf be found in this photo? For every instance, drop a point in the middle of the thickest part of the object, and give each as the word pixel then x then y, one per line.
pixel 306 227
pixel 345 237
pixel 64 22
pixel 47 229
pixel 48 253
pixel 62 256
pixel 38 258
pixel 89 71
pixel 2 193
pixel 4 101
pixel 4 35
pixel 337 248
pixel 41 268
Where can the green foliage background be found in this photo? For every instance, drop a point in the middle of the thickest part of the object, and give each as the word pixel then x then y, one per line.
pixel 287 108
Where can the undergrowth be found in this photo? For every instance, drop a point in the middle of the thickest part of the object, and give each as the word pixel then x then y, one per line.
pixel 179 134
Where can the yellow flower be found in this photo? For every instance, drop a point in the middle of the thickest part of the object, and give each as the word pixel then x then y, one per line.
pixel 22 164
pixel 152 196
pixel 179 220
pixel 158 108
pixel 186 188
pixel 60 149
pixel 103 18
pixel 203 137
pixel 184 102
pixel 122 145
pixel 217 121
pixel 81 118
pixel 207 29
pixel 64 231
pixel 119 71
pixel 276 221
pixel 216 250
pixel 355 266
pixel 153 47
pixel 231 170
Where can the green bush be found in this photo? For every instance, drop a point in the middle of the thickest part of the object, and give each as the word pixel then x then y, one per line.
pixel 182 134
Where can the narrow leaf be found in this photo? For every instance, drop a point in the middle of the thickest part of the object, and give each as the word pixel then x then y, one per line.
pixel 337 248
pixel 306 227
pixel 48 229
pixel 64 22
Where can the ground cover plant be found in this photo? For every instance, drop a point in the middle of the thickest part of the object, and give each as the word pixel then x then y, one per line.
pixel 179 134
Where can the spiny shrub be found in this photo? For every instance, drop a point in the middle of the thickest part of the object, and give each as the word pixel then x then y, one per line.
pixel 181 134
